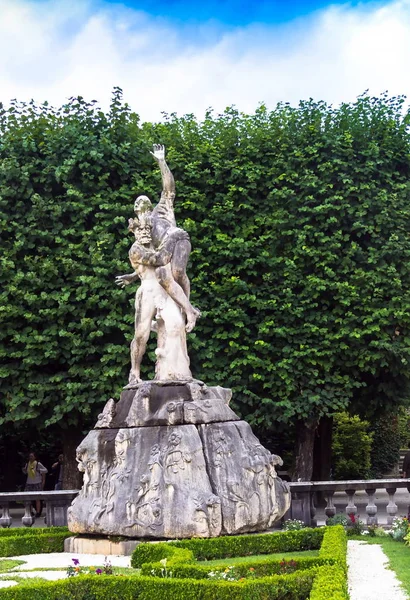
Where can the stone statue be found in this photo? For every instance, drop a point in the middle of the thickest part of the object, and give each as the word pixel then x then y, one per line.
pixel 159 257
pixel 171 459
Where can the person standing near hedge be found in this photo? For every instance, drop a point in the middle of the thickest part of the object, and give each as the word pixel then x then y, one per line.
pixel 36 477
pixel 57 469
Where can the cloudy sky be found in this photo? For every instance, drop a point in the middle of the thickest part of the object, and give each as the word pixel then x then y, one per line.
pixel 187 55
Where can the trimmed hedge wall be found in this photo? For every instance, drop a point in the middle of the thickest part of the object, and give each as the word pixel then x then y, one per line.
pixel 93 587
pixel 228 546
pixel 17 542
pixel 321 578
pixel 24 531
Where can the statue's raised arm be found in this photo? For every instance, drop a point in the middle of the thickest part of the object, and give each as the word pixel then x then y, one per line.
pixel 168 182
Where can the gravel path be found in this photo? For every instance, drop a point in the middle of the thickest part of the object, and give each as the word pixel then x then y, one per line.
pixel 368 575
pixel 64 559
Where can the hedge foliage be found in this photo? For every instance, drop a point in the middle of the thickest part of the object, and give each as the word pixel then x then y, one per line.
pixel 292 587
pixel 228 546
pixel 28 541
pixel 25 531
pixel 299 221
pixel 188 581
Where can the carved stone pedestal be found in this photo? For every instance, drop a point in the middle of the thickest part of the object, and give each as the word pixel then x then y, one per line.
pixel 172 460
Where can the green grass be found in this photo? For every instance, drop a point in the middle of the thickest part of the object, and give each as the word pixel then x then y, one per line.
pixel 6 564
pixel 262 557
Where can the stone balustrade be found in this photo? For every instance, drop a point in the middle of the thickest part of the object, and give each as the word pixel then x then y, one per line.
pixel 304 494
pixel 302 507
pixel 56 504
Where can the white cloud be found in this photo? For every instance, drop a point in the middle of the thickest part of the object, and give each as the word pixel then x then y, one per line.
pixel 55 49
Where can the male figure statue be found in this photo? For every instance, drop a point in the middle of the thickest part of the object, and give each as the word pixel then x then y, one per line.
pixel 153 302
pixel 169 240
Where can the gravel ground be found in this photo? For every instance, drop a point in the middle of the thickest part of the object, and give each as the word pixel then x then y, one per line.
pixel 63 560
pixel 368 575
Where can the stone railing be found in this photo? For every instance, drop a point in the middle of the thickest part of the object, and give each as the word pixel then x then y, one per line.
pixel 304 494
pixel 302 507
pixel 56 503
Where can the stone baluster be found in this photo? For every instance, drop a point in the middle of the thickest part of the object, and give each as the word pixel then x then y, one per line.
pixel 371 508
pixel 391 508
pixel 351 508
pixel 330 509
pixel 5 519
pixel 27 518
pixel 313 510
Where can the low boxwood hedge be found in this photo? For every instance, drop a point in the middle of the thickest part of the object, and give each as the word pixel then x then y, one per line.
pixel 292 587
pixel 317 578
pixel 32 542
pixel 228 546
pixel 23 531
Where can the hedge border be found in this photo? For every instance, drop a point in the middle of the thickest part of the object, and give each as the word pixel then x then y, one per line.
pixel 229 546
pixel 45 542
pixel 326 581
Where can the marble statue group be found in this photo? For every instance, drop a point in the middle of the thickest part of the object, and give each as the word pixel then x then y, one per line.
pixel 171 459
pixel 159 257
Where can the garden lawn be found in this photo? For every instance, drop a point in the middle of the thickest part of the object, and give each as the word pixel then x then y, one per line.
pixel 6 565
pixel 262 557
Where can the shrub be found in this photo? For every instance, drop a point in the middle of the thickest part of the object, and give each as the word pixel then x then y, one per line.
pixel 24 531
pixel 385 451
pixel 330 584
pixel 339 519
pixel 351 447
pixel 399 528
pixel 293 525
pixel 227 546
pixel 295 586
pixel 31 543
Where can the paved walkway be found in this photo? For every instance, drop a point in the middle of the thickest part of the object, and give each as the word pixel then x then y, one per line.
pixel 369 575
pixel 58 560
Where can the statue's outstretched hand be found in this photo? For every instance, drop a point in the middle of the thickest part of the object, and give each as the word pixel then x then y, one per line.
pixel 123 280
pixel 159 152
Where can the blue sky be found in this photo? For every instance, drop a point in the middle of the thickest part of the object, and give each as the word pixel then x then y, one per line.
pixel 231 12
pixel 184 57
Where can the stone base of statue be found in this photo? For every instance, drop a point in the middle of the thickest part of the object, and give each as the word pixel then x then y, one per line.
pixel 172 460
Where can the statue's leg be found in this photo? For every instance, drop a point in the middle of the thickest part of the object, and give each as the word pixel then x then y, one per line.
pixel 179 261
pixel 166 279
pixel 144 313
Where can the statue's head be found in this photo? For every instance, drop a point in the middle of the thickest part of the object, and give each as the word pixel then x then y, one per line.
pixel 142 205
pixel 142 232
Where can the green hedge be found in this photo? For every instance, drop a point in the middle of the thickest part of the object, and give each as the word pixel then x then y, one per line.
pixel 24 531
pixel 330 583
pixel 332 551
pixel 261 568
pixel 228 546
pixel 314 579
pixel 91 587
pixel 19 544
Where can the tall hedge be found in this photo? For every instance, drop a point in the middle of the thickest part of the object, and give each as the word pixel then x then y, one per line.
pixel 299 220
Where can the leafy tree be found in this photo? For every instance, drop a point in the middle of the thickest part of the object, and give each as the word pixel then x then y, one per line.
pixel 299 222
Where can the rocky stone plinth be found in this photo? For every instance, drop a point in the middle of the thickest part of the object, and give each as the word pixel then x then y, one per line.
pixel 172 460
